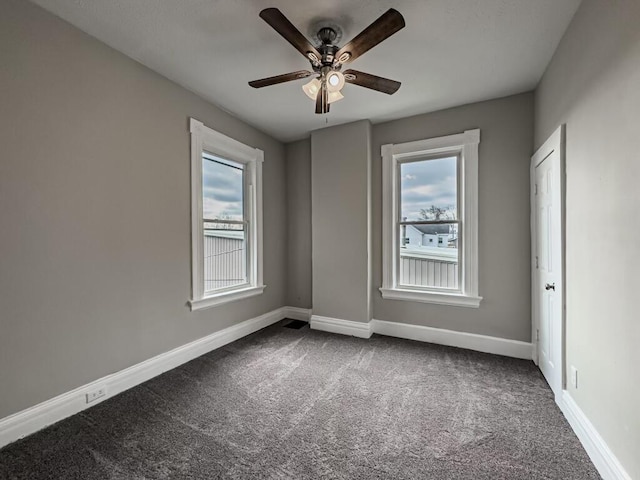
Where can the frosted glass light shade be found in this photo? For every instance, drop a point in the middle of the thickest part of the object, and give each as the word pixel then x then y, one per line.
pixel 312 88
pixel 335 96
pixel 335 81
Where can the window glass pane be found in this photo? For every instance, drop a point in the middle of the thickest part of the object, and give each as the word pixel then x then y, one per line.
pixel 429 256
pixel 222 188
pixel 225 229
pixel 428 190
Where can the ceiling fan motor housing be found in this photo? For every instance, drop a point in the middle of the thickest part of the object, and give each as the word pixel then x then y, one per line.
pixel 327 36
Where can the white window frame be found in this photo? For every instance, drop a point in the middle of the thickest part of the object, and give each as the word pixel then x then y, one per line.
pixel 205 139
pixel 464 145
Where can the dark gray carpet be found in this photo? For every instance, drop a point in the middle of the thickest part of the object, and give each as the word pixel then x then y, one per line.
pixel 303 404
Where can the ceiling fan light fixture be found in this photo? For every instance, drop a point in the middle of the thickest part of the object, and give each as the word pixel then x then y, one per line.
pixel 335 81
pixel 312 88
pixel 334 97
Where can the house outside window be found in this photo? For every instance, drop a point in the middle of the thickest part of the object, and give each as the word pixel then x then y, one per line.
pixel 430 192
pixel 226 218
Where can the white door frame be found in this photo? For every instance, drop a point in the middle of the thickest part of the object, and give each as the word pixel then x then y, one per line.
pixel 556 142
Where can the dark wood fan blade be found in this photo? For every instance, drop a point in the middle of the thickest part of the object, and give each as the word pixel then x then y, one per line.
pixel 385 26
pixel 291 34
pixel 286 77
pixel 373 82
pixel 322 100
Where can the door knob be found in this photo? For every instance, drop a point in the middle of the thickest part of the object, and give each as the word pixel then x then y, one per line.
pixel 550 286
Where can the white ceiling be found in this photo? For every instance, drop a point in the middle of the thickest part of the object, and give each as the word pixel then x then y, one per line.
pixel 451 52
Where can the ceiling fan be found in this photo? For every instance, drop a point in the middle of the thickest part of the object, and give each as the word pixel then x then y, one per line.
pixel 328 59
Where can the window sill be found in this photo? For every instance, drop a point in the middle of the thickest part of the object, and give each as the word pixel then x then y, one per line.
pixel 225 297
pixel 455 299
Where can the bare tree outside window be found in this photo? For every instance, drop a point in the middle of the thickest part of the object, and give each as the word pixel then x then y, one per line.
pixel 438 213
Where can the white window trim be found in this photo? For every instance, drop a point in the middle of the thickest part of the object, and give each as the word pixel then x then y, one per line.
pixel 206 139
pixel 463 144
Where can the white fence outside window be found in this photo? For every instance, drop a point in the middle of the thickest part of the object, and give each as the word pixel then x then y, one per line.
pixel 224 259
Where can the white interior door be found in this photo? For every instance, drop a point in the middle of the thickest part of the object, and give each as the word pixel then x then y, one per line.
pixel 548 254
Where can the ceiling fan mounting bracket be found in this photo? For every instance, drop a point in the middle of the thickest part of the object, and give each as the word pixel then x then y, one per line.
pixel 327 35
pixel 324 30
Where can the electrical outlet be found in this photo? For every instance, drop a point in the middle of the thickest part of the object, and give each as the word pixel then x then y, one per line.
pixel 96 394
pixel 574 377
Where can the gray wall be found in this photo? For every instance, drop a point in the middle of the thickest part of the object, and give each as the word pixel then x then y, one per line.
pixel 592 85
pixel 504 241
pixel 298 155
pixel 95 210
pixel 506 130
pixel 340 164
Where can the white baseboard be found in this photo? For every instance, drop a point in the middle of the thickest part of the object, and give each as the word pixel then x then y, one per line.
pixel 296 313
pixel 51 411
pixel 602 457
pixel 343 327
pixel 471 341
pixel 440 336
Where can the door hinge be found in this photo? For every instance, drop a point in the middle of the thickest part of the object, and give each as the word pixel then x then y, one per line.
pixel 537 335
pixel 536 261
pixel 535 189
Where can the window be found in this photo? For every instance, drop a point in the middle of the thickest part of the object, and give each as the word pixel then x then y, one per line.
pixel 226 218
pixel 428 202
pixel 430 187
pixel 225 224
